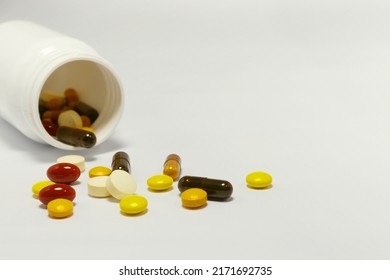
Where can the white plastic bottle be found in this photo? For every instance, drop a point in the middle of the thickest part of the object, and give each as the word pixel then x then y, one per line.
pixel 34 59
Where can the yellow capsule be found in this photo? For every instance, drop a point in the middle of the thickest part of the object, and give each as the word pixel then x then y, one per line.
pixel 160 182
pixel 133 204
pixel 99 171
pixel 259 180
pixel 37 187
pixel 172 166
pixel 193 198
pixel 60 208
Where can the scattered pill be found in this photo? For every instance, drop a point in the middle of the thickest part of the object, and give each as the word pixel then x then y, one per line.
pixel 60 208
pixel 259 180
pixel 120 184
pixel 215 188
pixel 64 172
pixel 70 118
pixel 97 186
pixel 172 166
pixel 193 198
pixel 160 182
pixel 37 187
pixel 133 204
pixel 76 137
pixel 99 171
pixel 55 191
pixel 121 161
pixel 77 160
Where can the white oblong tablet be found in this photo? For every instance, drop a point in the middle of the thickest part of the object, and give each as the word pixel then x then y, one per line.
pixel 120 184
pixel 97 186
pixel 77 160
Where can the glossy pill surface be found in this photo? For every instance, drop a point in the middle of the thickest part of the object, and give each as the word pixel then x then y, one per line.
pixel 159 182
pixel 133 204
pixel 259 180
pixel 55 191
pixel 193 198
pixel 99 171
pixel 172 166
pixel 77 160
pixel 38 186
pixel 215 188
pixel 120 184
pixel 60 208
pixel 97 186
pixel 50 127
pixel 63 173
pixel 121 161
pixel 76 137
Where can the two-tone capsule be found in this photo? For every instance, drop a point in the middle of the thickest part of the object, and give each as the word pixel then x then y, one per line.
pixel 172 166
pixel 215 188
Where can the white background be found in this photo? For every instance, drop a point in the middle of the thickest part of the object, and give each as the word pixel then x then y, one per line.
pixel 299 89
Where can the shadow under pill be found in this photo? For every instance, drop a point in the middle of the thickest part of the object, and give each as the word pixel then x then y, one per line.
pixel 195 208
pixel 261 189
pixel 221 199
pixel 160 191
pixel 135 215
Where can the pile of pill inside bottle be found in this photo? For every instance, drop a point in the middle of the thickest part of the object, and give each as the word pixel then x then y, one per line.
pixel 67 118
pixel 57 193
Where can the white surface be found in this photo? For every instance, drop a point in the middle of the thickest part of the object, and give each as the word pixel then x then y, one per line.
pixel 299 89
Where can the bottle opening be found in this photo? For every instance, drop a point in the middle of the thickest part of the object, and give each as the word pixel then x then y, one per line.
pixel 98 95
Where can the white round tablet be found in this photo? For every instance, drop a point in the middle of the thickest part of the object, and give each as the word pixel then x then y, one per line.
pixel 97 186
pixel 70 118
pixel 77 160
pixel 120 184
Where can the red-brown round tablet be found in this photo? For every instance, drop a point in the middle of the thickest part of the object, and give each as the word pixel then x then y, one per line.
pixel 63 172
pixel 55 191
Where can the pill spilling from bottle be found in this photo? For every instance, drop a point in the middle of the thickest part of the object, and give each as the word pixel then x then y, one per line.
pixel 68 119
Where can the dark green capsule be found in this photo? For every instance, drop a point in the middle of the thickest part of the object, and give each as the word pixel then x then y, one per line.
pixel 76 137
pixel 121 161
pixel 215 188
pixel 85 109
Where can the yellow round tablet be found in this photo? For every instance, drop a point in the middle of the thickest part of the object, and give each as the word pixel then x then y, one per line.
pixel 133 204
pixel 37 187
pixel 160 182
pixel 259 180
pixel 60 208
pixel 194 198
pixel 99 171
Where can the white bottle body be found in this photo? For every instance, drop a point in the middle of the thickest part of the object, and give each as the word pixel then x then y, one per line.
pixel 34 59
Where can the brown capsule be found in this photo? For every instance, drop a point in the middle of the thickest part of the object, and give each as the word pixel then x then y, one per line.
pixel 76 137
pixel 215 188
pixel 121 161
